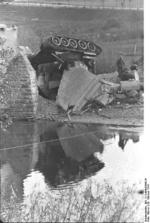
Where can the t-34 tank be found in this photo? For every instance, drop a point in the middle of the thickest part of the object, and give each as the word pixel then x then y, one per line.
pixel 56 54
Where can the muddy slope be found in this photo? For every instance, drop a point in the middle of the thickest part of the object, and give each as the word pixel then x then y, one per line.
pixel 118 114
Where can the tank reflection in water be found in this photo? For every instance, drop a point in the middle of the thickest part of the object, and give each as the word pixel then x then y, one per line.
pixel 67 154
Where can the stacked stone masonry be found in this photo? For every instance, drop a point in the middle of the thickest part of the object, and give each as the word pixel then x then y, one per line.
pixel 24 94
pixel 20 96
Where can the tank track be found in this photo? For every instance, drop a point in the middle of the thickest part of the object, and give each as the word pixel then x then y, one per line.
pixel 63 43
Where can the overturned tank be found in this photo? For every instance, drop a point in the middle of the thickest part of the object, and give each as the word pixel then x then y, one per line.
pixel 63 71
pixel 58 53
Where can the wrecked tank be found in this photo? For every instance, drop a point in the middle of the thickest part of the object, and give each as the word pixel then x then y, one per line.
pixel 58 53
pixel 63 72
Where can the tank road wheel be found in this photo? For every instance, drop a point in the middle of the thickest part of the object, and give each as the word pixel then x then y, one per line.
pixel 56 40
pixel 61 43
pixel 64 42
pixel 73 43
pixel 82 44
pixel 91 47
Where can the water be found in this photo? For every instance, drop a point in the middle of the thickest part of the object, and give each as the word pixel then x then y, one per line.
pixel 48 157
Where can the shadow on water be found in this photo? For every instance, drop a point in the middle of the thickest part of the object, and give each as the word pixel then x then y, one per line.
pixel 63 154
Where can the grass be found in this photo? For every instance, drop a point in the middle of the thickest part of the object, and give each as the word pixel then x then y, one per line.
pixel 116 31
pixel 101 203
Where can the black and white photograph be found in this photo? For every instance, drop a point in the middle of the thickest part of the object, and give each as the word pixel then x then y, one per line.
pixel 72 130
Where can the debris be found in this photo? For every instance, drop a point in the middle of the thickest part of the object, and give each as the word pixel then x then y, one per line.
pixel 132 93
pixel 98 90
pixel 120 96
pixel 124 72
pixel 48 79
pixel 63 71
pixel 135 73
pixel 73 85
pixel 79 86
pixel 105 99
pixel 130 85
pixel 111 77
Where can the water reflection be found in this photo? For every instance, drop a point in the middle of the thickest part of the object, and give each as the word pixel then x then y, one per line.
pixel 70 157
pixel 124 138
pixel 63 154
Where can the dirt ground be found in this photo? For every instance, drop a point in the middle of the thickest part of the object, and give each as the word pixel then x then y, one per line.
pixel 117 114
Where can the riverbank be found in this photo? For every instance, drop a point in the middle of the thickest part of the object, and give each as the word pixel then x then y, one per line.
pixel 130 115
pixel 127 116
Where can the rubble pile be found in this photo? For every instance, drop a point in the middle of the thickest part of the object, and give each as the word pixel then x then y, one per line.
pixel 79 88
pixel 78 85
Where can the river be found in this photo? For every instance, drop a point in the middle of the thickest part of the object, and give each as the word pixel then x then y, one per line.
pixel 52 165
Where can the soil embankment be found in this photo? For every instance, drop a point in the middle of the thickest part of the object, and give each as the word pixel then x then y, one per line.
pixel 121 114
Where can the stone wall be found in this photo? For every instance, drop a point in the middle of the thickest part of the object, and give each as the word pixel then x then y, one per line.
pixel 18 88
pixel 23 93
